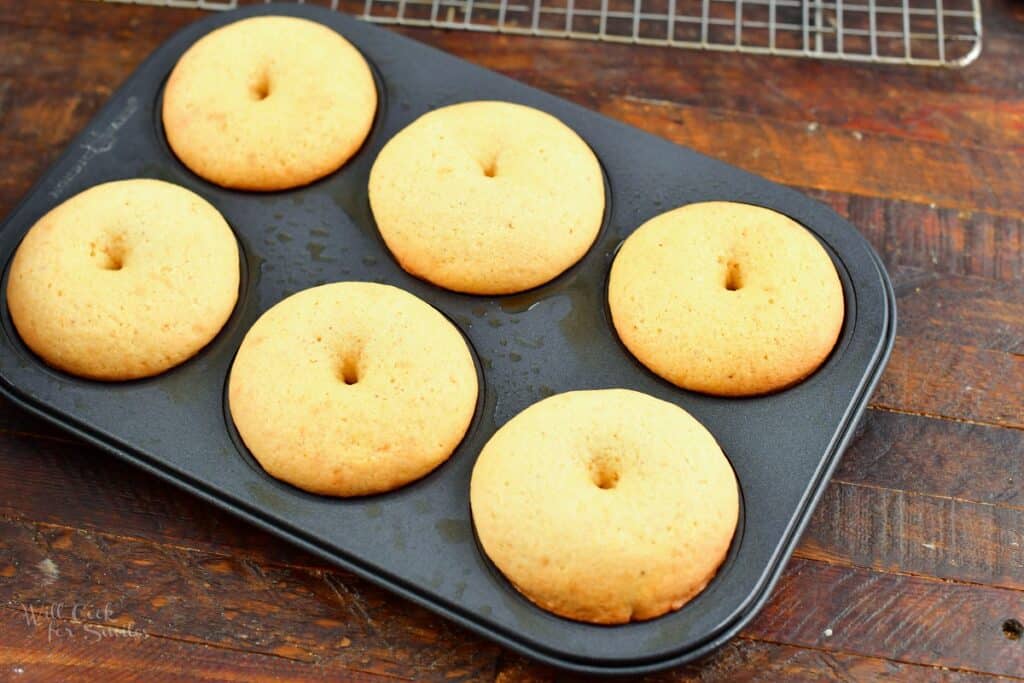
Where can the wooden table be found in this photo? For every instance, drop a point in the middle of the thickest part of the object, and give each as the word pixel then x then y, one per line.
pixel 913 566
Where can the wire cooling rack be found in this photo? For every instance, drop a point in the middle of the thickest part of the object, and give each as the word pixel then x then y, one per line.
pixel 917 32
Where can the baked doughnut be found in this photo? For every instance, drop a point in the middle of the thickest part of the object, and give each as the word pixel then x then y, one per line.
pixel 605 506
pixel 124 280
pixel 487 197
pixel 268 103
pixel 726 298
pixel 352 388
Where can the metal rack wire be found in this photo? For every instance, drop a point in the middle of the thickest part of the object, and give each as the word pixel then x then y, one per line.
pixel 917 32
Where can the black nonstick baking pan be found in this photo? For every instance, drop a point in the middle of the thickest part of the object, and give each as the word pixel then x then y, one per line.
pixel 419 541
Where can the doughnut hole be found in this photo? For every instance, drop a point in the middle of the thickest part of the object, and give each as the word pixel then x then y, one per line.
pixel 349 370
pixel 109 252
pixel 733 276
pixel 259 87
pixel 604 469
pixel 490 165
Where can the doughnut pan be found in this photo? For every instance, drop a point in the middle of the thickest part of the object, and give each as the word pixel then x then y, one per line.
pixel 418 541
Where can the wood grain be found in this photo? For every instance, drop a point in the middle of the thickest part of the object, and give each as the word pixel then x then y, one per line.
pixel 752 661
pixel 334 620
pixel 958 349
pixel 326 617
pixel 951 380
pixel 940 536
pixel 835 159
pixel 966 311
pixel 938 457
pixel 930 239
pixel 898 617
pixel 38 649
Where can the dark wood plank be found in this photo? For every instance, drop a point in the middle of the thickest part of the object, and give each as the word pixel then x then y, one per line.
pixel 945 537
pixel 15 420
pixel 898 617
pixel 824 158
pixel 329 618
pixel 949 380
pixel 967 311
pixel 958 350
pixel 752 661
pixel 60 62
pixel 71 484
pixel 939 457
pixel 307 614
pixel 36 648
pixel 922 238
